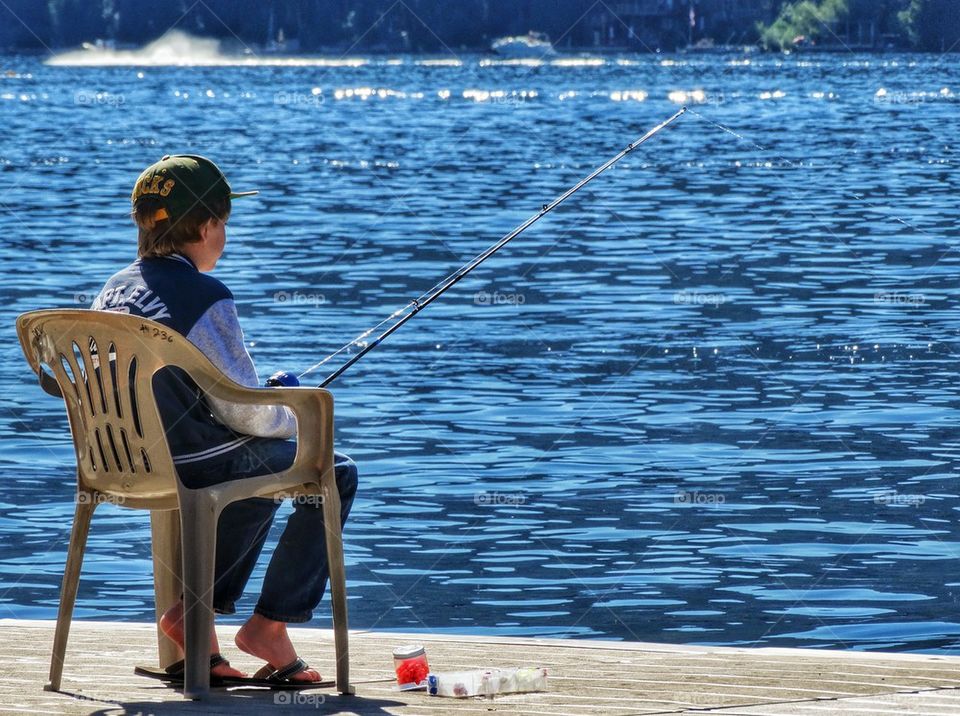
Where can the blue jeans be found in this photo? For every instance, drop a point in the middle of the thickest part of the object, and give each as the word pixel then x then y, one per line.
pixel 297 574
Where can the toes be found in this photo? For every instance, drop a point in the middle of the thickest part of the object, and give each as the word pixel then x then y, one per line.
pixel 227 670
pixel 308 676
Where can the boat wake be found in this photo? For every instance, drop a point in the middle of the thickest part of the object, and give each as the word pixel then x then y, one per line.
pixel 173 48
pixel 177 48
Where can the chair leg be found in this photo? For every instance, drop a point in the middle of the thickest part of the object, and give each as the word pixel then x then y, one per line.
pixel 167 586
pixel 198 524
pixel 338 584
pixel 71 580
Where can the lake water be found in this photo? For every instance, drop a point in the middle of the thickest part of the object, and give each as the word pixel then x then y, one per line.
pixel 713 399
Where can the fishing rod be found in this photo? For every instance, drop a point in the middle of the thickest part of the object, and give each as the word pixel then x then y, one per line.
pixel 418 304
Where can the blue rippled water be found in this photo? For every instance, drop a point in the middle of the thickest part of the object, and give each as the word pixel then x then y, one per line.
pixel 713 399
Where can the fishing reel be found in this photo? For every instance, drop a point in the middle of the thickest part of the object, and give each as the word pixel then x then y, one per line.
pixel 282 379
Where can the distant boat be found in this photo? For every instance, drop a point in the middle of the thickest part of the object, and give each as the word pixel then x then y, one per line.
pixel 532 45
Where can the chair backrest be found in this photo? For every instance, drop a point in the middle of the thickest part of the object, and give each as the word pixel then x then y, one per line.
pixel 104 364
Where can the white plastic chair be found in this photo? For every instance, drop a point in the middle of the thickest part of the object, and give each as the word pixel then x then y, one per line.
pixel 103 365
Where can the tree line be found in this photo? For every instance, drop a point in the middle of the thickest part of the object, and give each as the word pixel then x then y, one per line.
pixel 932 25
pixel 439 25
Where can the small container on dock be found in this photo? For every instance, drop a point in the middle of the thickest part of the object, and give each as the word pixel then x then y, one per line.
pixel 410 663
pixel 487 682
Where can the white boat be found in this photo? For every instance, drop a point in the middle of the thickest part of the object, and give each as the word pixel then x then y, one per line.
pixel 531 45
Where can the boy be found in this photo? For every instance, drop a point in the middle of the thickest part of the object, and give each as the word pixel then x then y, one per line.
pixel 181 205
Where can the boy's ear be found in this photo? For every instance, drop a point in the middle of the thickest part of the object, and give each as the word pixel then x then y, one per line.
pixel 206 227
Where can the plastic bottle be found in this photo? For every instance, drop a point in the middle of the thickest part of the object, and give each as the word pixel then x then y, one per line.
pixel 487 682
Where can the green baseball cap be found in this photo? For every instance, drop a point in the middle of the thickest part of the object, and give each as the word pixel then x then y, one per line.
pixel 182 182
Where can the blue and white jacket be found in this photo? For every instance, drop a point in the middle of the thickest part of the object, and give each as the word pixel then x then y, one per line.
pixel 202 431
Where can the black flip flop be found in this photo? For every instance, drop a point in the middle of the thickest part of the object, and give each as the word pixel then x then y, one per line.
pixel 280 678
pixel 173 675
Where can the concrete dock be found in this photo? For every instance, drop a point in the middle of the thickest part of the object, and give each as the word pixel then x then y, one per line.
pixel 586 677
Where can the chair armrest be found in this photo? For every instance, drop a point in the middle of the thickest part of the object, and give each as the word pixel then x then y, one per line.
pixel 292 398
pixel 313 409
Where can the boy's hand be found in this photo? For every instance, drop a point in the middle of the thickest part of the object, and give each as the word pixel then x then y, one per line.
pixel 282 379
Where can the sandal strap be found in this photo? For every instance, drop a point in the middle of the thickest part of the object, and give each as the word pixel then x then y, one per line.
pixel 294 667
pixel 177 667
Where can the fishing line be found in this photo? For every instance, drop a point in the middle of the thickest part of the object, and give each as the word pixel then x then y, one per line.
pixel 793 165
pixel 404 314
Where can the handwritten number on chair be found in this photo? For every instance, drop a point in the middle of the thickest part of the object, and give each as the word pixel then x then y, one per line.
pixel 156 333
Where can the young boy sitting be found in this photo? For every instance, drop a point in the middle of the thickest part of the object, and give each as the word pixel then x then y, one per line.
pixel 181 205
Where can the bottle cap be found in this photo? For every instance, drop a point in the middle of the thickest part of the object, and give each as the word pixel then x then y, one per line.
pixel 409 651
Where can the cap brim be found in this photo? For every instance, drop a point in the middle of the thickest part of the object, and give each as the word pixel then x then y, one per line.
pixel 238 194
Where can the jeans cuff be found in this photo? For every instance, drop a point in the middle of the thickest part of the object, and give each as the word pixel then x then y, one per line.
pixel 228 608
pixel 277 617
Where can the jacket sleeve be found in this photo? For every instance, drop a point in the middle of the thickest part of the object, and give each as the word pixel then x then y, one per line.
pixel 217 333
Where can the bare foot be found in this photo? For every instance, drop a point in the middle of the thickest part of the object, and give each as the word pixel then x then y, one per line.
pixel 268 640
pixel 171 623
